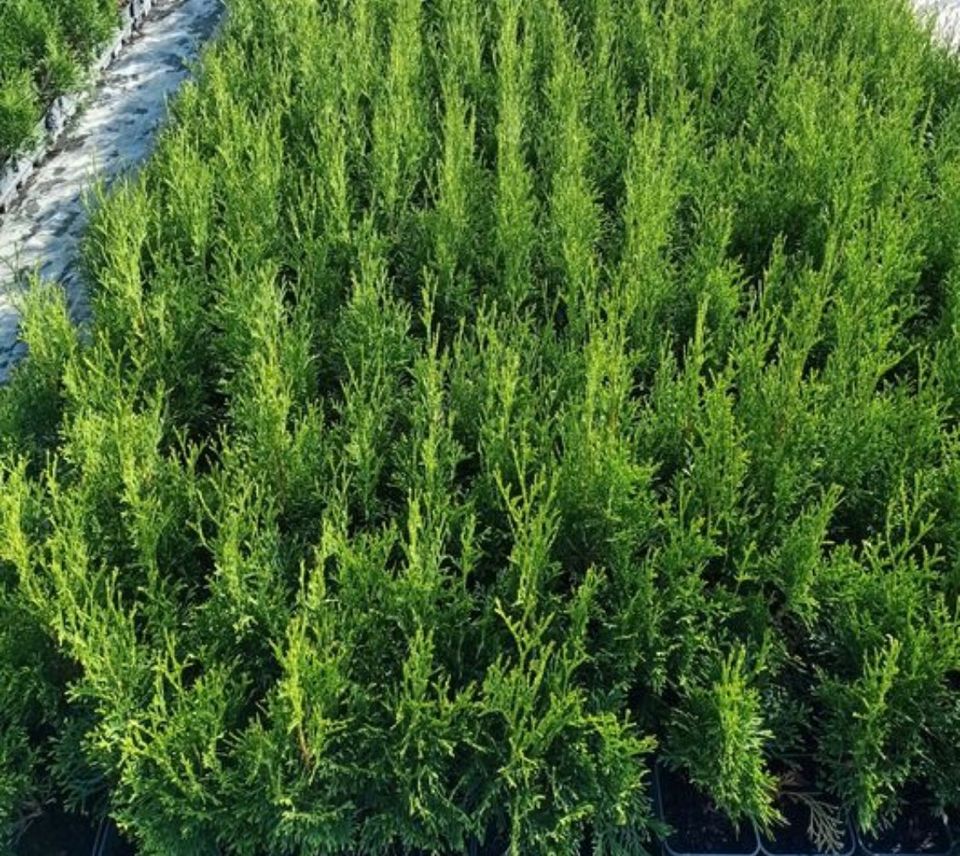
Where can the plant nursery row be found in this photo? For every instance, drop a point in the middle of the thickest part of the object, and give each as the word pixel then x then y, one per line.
pixel 507 426
pixel 45 46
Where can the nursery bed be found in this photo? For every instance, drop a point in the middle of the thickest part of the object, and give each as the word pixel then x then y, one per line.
pixel 509 422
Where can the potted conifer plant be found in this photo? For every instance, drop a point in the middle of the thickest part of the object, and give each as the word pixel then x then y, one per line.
pixel 714 788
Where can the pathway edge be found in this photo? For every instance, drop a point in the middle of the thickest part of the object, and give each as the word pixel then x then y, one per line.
pixel 17 170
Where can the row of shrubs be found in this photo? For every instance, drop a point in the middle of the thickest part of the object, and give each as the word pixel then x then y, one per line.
pixel 483 398
pixel 45 45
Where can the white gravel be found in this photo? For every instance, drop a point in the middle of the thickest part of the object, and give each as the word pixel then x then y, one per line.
pixel 113 133
pixel 947 15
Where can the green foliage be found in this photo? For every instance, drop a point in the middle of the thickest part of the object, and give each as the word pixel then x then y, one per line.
pixel 482 397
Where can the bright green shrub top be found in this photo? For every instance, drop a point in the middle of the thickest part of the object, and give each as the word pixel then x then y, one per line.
pixel 481 395
pixel 44 46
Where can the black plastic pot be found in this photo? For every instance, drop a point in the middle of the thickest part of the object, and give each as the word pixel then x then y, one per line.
pixel 699 828
pixel 915 832
pixel 57 833
pixel 798 799
pixel 109 842
pixel 792 839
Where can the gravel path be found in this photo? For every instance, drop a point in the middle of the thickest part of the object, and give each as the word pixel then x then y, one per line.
pixel 947 14
pixel 112 133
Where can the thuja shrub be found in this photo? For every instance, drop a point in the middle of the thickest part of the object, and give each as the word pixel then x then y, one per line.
pixel 44 47
pixel 482 400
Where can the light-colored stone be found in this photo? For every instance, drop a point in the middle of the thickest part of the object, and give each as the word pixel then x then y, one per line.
pixel 946 18
pixel 14 176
